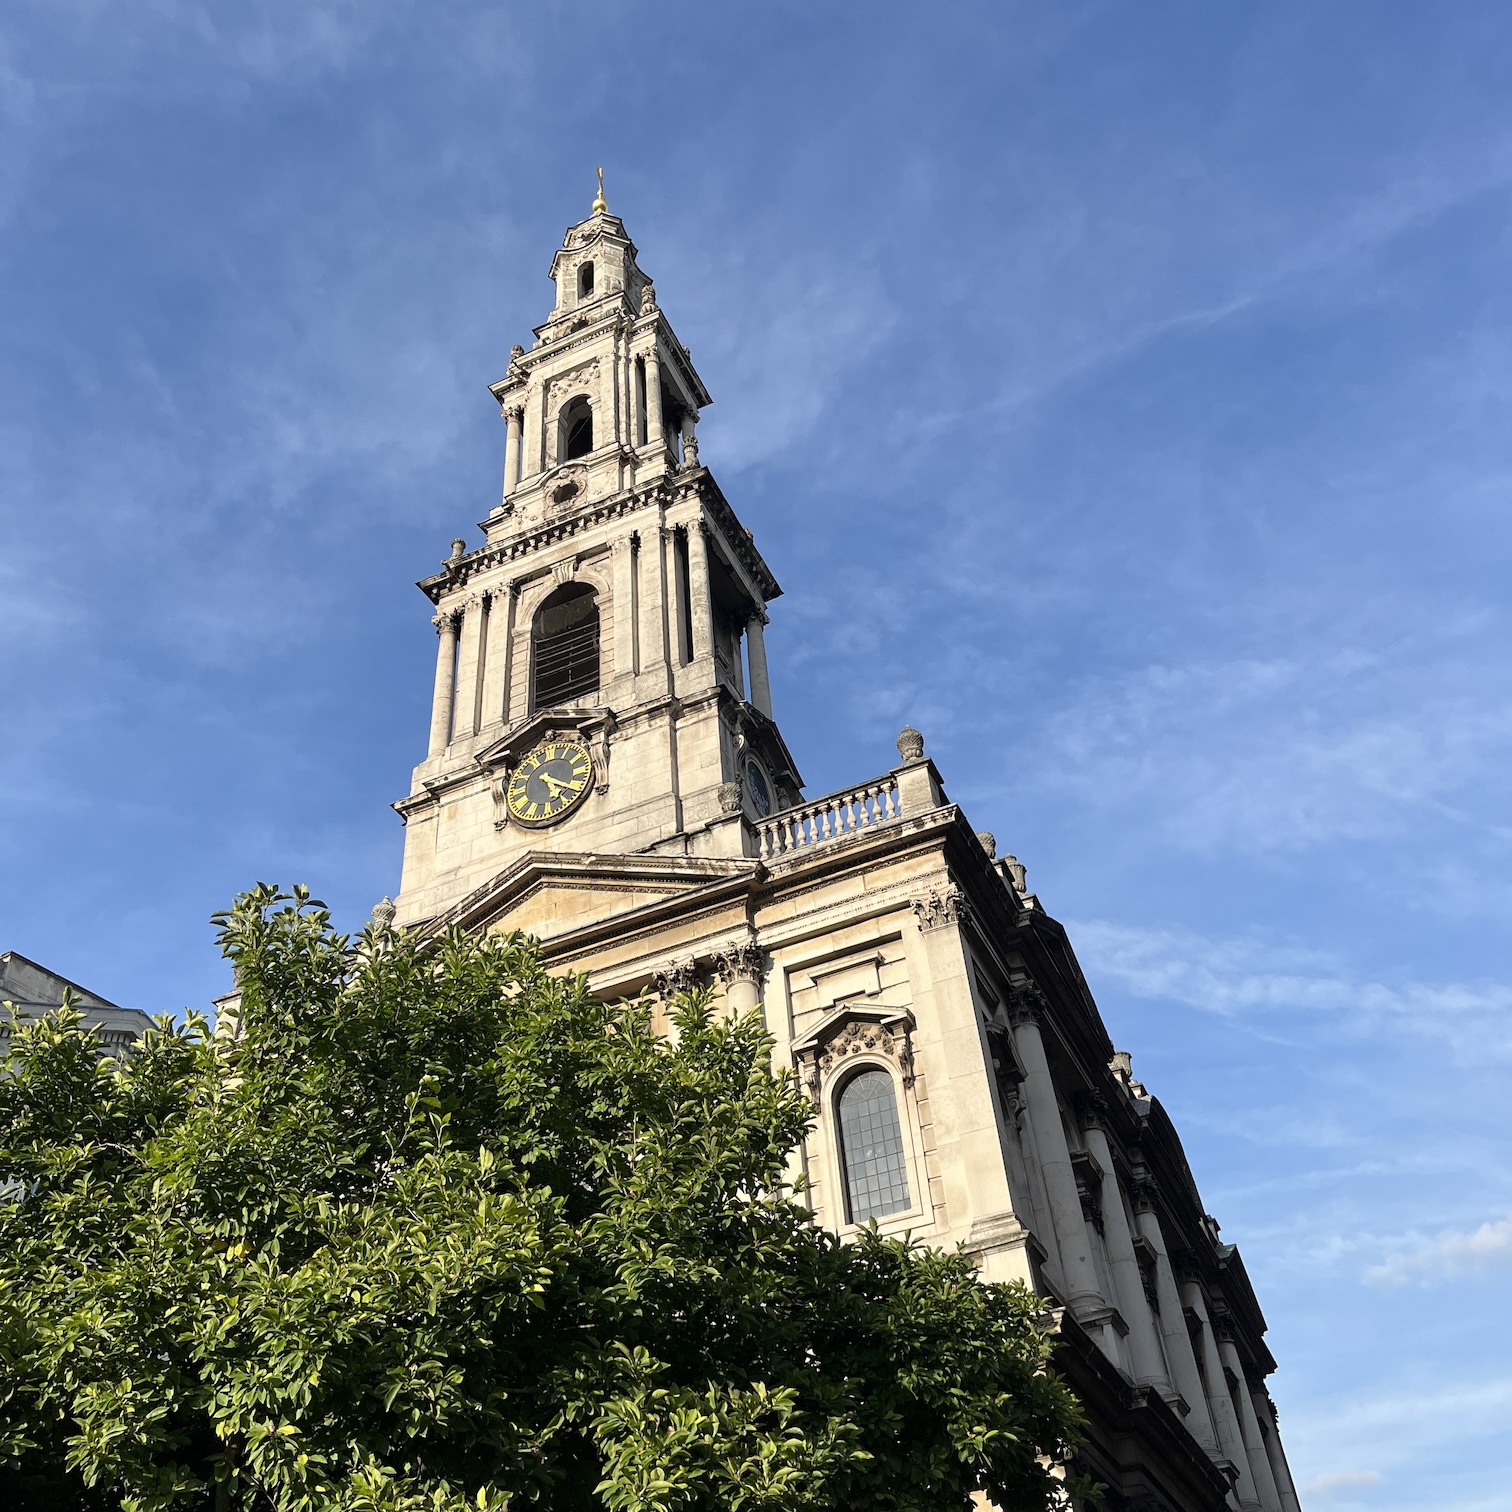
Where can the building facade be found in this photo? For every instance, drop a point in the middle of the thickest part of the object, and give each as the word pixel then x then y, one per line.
pixel 31 991
pixel 604 771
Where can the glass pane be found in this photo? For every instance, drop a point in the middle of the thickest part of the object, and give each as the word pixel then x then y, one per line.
pixel 871 1148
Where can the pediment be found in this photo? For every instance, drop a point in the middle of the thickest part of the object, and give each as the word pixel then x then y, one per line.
pixel 551 894
pixel 585 723
pixel 863 1017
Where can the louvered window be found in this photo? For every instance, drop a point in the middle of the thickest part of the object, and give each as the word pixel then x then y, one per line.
pixel 565 637
pixel 871 1148
pixel 575 427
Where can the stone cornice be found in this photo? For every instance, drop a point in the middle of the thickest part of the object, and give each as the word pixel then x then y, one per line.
pixel 669 491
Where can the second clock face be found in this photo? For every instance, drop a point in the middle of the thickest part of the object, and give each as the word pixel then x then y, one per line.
pixel 550 782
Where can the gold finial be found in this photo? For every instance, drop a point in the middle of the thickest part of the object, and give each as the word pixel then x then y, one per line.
pixel 600 204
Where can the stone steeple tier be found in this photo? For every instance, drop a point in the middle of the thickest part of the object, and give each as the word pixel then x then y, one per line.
pixel 608 515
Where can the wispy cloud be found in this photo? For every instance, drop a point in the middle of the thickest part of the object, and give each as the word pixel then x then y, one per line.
pixel 1447 1255
pixel 1282 754
pixel 1341 1480
pixel 1257 977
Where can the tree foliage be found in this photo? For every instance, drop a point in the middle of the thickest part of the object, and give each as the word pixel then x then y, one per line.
pixel 439 1230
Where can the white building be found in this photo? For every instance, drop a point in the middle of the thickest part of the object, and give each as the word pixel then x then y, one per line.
pixel 605 771
pixel 30 991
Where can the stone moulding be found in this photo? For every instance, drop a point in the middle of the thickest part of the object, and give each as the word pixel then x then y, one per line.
pixel 853 1030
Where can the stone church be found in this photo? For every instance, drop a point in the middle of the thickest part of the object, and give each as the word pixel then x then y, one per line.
pixel 605 771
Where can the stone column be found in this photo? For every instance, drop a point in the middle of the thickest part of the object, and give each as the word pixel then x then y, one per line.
pixel 1220 1403
pixel 761 681
pixel 1078 1272
pixel 1249 1429
pixel 514 419
pixel 1280 1470
pixel 739 968
pixel 655 435
pixel 1128 1279
pixel 1178 1341
pixel 446 682
pixel 698 590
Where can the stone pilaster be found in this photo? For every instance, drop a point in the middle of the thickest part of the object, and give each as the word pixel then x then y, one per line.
pixel 950 1056
pixel 470 651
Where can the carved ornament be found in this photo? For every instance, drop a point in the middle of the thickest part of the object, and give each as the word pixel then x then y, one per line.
pixel 939 907
pixel 1026 1003
pixel 741 961
pixel 1092 1108
pixel 852 1032
pixel 677 977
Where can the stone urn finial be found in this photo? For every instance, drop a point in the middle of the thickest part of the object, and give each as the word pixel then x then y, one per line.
pixel 383 916
pixel 911 744
pixel 988 842
pixel 459 550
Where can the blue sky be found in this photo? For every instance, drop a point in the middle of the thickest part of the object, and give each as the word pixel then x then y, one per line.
pixel 1120 393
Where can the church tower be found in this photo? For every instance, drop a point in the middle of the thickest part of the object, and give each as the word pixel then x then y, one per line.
pixel 601 676
pixel 604 772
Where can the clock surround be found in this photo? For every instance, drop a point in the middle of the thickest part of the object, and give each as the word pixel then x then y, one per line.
pixel 550 782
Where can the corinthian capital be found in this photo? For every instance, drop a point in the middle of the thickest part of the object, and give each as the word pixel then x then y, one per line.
pixel 1026 1003
pixel 739 962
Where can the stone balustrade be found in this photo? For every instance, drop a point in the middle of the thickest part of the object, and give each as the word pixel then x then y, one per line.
pixel 841 814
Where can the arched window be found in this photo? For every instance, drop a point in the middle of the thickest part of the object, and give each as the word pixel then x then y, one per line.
pixel 564 639
pixel 871 1148
pixel 575 438
pixel 585 280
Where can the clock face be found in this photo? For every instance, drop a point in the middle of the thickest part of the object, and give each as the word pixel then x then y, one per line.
pixel 761 792
pixel 550 782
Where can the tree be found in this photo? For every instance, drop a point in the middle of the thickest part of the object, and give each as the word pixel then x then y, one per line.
pixel 439 1230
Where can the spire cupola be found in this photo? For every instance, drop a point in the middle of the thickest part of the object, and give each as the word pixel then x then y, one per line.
pixel 607 398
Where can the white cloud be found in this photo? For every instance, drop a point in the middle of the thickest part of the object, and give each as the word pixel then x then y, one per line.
pixel 1281 753
pixel 1341 1480
pixel 1401 1435
pixel 1237 977
pixel 1454 1252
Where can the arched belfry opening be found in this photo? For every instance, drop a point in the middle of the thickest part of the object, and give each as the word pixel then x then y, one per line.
pixel 585 280
pixel 575 430
pixel 564 645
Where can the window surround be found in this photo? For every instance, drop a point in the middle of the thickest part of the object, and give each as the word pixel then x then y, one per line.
pixel 827 1059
